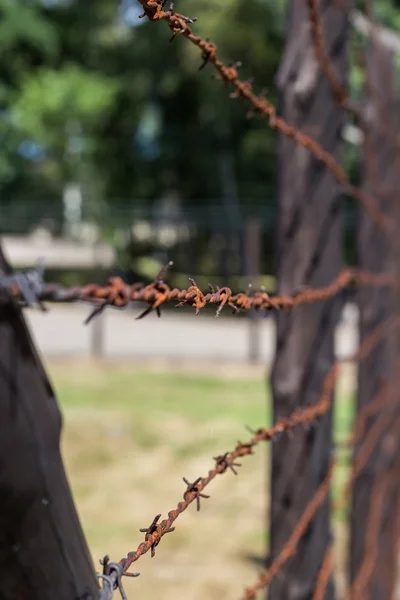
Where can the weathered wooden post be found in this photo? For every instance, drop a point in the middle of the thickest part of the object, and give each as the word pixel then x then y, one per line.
pixel 43 553
pixel 378 251
pixel 308 254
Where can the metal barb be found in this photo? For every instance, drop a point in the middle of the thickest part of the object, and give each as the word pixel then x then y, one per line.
pixel 193 488
pixel 155 531
pixel 222 463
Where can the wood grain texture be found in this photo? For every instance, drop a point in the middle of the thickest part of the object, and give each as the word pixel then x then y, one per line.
pixel 43 553
pixel 378 252
pixel 308 254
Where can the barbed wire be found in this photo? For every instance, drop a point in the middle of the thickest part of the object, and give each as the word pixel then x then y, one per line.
pixel 371 552
pixel 288 549
pixel 299 530
pixel 180 25
pixel 324 574
pixel 301 416
pixel 158 293
pixel 370 442
pixel 339 91
pixel 30 287
pixel 380 400
pixel 385 423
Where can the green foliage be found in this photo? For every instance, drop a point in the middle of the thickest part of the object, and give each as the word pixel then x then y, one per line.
pixel 20 22
pixel 85 96
pixel 48 99
pixel 61 109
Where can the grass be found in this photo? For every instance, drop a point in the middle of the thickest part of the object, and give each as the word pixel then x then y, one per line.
pixel 140 431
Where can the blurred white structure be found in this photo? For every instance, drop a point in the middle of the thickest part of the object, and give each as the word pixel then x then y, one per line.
pixel 177 335
pixel 24 252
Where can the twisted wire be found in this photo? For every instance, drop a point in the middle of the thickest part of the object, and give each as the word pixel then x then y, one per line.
pixel 180 25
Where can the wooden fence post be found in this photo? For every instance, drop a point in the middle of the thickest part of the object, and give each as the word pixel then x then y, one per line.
pixel 377 252
pixel 308 254
pixel 43 553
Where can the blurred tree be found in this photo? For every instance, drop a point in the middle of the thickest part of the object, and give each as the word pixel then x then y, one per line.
pixel 91 93
pixel 143 118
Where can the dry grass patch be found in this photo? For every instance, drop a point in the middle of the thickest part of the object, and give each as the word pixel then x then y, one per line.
pixel 131 433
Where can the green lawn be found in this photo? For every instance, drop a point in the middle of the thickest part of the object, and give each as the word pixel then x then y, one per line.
pixel 141 431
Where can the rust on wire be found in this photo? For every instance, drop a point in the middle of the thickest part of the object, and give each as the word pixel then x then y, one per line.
pixel 383 424
pixel 301 416
pixel 180 25
pixel 371 553
pixel 321 407
pixel 380 400
pixel 154 532
pixel 290 547
pixel 375 434
pixel 222 464
pixel 118 294
pixel 194 488
pixel 324 575
pixel 339 90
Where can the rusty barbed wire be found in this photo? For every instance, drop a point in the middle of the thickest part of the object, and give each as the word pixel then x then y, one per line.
pixel 301 416
pixel 180 25
pixel 392 550
pixel 299 530
pixel 339 91
pixel 31 289
pixel 194 490
pixel 383 424
pixel 371 552
pixel 370 442
pixel 324 574
pixel 381 399
pixel 327 562
pixel 111 578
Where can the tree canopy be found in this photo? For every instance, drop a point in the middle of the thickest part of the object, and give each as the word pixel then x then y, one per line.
pixel 89 93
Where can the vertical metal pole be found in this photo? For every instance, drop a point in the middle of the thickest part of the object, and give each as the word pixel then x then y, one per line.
pixel 97 324
pixel 252 261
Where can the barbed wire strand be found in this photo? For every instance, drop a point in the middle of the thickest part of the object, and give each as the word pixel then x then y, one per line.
pixel 180 25
pixel 339 91
pixel 324 574
pixel 383 424
pixel 380 400
pixel 118 294
pixel 301 416
pixel 299 530
pixel 371 551
pixel 371 440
